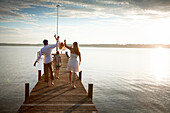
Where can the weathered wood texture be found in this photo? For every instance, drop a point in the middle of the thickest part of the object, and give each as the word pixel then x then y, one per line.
pixel 60 98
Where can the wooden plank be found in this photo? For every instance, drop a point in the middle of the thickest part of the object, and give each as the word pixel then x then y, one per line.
pixel 60 98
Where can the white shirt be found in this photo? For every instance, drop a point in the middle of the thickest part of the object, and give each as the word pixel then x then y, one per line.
pixel 46 50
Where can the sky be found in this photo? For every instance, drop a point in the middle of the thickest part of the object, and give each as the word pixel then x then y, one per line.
pixel 85 21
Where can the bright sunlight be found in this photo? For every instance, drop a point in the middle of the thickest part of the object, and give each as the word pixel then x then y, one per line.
pixel 159 64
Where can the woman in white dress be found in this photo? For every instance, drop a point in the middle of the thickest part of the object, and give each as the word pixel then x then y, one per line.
pixel 73 64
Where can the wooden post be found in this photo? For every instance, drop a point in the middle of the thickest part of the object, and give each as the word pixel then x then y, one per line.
pixel 90 91
pixel 80 75
pixel 39 75
pixel 27 90
pixel 38 53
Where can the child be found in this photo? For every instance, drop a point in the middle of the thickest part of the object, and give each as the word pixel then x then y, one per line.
pixel 58 63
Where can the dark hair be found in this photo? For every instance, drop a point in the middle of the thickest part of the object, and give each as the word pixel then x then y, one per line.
pixel 45 42
pixel 57 52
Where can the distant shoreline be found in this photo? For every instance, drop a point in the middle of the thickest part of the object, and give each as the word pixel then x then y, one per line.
pixel 126 45
pixel 101 45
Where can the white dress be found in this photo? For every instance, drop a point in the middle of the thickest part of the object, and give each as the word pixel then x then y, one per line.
pixel 73 63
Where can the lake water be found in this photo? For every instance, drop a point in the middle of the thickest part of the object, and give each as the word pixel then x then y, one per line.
pixel 125 80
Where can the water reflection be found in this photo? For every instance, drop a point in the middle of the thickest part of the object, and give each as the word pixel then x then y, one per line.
pixel 159 64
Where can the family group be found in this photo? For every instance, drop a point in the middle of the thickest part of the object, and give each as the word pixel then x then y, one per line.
pixel 72 66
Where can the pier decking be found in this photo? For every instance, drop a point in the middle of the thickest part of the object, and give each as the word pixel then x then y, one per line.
pixel 60 98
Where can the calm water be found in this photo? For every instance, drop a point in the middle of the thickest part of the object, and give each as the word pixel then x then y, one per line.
pixel 125 80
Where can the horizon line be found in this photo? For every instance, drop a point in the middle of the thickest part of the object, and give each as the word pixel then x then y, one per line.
pixel 84 44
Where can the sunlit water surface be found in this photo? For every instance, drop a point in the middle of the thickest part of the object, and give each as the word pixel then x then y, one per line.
pixel 125 80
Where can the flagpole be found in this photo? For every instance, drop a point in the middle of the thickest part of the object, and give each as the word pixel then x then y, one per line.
pixel 57 25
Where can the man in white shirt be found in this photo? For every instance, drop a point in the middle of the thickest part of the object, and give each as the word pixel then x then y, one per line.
pixel 46 51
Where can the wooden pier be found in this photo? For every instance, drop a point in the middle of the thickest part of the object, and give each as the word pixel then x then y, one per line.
pixel 60 98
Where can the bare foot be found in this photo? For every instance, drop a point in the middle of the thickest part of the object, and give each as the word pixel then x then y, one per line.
pixel 74 87
pixel 57 77
pixel 47 85
pixel 69 83
pixel 52 83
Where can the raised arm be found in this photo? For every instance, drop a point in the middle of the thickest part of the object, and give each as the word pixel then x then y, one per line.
pixel 38 58
pixel 79 58
pixel 53 46
pixel 69 47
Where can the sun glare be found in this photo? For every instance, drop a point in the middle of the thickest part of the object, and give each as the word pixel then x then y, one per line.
pixel 159 47
pixel 160 63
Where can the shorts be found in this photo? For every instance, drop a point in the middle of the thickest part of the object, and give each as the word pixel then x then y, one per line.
pixel 57 67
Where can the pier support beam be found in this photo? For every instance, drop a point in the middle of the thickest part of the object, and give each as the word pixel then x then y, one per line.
pixel 80 75
pixel 39 75
pixel 90 91
pixel 27 90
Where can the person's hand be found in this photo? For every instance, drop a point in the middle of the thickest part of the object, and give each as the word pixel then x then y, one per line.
pixel 57 37
pixel 79 63
pixel 64 42
pixel 35 63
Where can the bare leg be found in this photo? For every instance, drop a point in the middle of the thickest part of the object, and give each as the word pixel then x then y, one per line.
pixel 74 80
pixel 70 76
pixel 51 75
pixel 57 72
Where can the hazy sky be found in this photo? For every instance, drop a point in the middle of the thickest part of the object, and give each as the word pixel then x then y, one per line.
pixel 85 21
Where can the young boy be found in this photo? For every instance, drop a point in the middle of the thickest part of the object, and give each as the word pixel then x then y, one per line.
pixel 58 63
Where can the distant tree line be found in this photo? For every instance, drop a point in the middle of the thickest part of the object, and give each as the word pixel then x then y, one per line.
pixel 101 45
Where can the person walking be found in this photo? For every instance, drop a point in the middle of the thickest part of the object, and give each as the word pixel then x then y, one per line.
pixel 73 64
pixel 46 51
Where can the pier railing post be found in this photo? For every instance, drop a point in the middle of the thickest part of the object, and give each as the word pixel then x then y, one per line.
pixel 90 91
pixel 39 75
pixel 38 53
pixel 80 75
pixel 27 90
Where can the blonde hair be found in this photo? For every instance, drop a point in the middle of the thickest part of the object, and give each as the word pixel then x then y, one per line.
pixel 61 45
pixel 76 48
